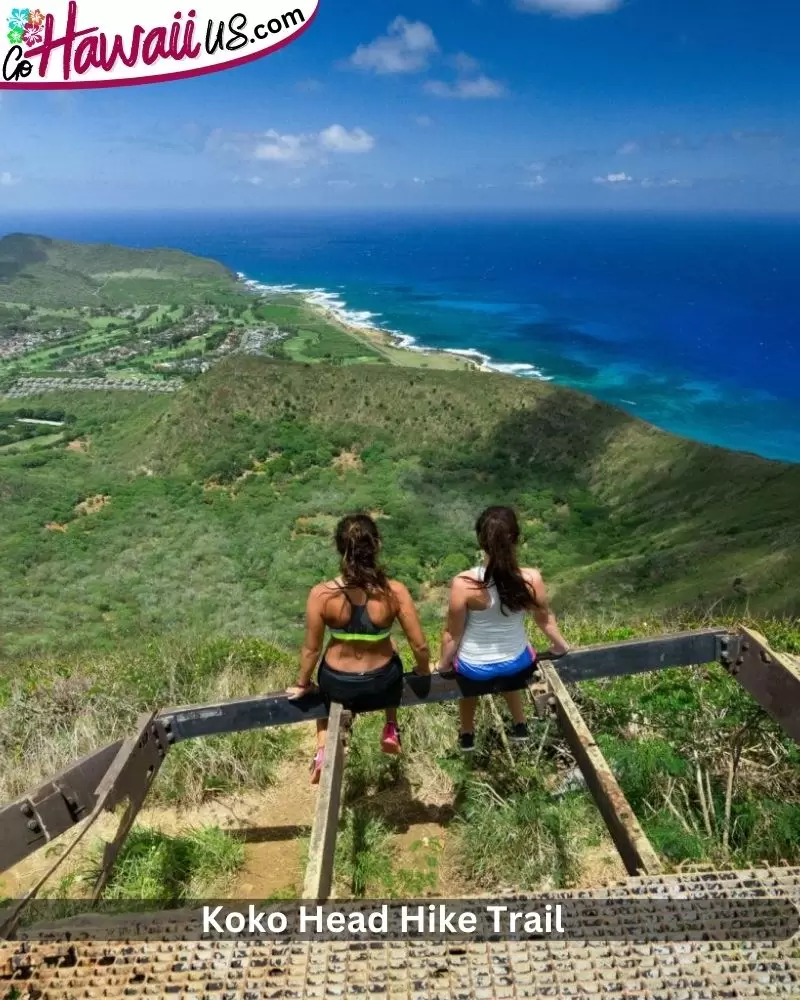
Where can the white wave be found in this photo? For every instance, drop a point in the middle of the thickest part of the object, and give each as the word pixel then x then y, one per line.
pixel 334 303
pixel 467 352
pixel 527 371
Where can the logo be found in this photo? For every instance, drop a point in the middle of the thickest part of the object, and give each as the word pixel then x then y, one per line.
pixel 93 43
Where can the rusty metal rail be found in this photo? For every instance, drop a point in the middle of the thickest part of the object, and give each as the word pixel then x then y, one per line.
pixel 124 772
pixel 321 850
pixel 629 838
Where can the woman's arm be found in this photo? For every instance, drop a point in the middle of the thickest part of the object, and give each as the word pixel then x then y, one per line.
pixel 455 625
pixel 312 643
pixel 410 623
pixel 543 616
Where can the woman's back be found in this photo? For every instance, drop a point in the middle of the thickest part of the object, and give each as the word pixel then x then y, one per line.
pixel 492 633
pixel 360 624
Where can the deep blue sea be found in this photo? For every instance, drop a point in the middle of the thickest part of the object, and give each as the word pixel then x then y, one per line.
pixel 692 323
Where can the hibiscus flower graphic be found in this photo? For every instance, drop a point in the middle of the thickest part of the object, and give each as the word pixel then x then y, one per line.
pixel 36 18
pixel 15 36
pixel 19 18
pixel 33 35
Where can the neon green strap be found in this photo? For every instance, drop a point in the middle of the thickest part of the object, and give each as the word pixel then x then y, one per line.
pixel 356 637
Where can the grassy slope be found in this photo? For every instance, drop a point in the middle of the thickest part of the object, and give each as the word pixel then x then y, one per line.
pixel 41 271
pixel 675 522
pixel 188 541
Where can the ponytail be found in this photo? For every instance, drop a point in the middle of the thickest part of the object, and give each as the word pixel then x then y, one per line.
pixel 498 533
pixel 358 542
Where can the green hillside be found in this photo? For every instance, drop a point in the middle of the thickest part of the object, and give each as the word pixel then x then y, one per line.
pixel 220 502
pixel 39 271
pixel 158 547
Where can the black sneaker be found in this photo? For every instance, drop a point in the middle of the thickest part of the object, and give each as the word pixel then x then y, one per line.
pixel 466 742
pixel 519 734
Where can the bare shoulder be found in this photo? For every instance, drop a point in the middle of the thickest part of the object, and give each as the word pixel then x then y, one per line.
pixel 320 593
pixel 533 578
pixel 462 586
pixel 400 591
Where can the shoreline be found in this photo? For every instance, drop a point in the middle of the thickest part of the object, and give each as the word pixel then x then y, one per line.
pixel 333 308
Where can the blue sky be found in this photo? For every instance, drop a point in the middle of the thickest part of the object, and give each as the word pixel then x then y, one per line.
pixel 497 104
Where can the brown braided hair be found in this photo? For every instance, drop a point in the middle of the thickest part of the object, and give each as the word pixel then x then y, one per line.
pixel 498 533
pixel 358 542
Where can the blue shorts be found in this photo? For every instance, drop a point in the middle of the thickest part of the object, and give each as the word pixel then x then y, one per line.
pixel 486 671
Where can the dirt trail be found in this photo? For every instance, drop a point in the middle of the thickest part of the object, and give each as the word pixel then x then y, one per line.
pixel 275 826
pixel 272 823
pixel 277 831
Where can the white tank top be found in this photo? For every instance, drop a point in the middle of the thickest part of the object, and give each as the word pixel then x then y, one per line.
pixel 492 636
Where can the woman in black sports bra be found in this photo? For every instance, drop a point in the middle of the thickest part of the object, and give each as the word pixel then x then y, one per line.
pixel 361 668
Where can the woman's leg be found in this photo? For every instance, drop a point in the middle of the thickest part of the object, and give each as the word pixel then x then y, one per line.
pixel 391 715
pixel 514 702
pixel 322 733
pixel 466 710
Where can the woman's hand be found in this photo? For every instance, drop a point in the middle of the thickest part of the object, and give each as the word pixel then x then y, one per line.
pixel 298 691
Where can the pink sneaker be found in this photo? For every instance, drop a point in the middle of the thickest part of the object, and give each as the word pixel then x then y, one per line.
pixel 390 741
pixel 316 766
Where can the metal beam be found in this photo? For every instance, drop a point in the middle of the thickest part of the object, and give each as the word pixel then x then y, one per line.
pixel 640 656
pixel 770 678
pixel 128 780
pixel 609 660
pixel 322 849
pixel 630 839
pixel 60 804
pixel 53 808
pixel 129 777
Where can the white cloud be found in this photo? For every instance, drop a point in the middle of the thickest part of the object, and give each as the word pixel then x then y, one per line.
pixel 479 88
pixel 338 139
pixel 255 181
pixel 7 179
pixel 534 182
pixel 470 83
pixel 424 121
pixel 613 179
pixel 295 149
pixel 628 148
pixel 285 148
pixel 342 184
pixel 405 48
pixel 571 8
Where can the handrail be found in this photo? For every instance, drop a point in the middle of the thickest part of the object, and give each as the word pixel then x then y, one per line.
pixel 92 783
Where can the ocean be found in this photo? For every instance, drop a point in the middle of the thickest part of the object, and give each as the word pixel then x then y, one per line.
pixel 691 323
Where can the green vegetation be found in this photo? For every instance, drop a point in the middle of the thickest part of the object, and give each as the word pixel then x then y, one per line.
pixel 56 709
pixel 168 870
pixel 215 506
pixel 157 549
pixel 39 272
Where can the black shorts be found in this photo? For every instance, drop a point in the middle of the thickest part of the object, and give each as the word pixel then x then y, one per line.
pixel 369 691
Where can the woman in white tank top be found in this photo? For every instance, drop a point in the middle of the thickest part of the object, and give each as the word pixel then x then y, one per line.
pixel 485 634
